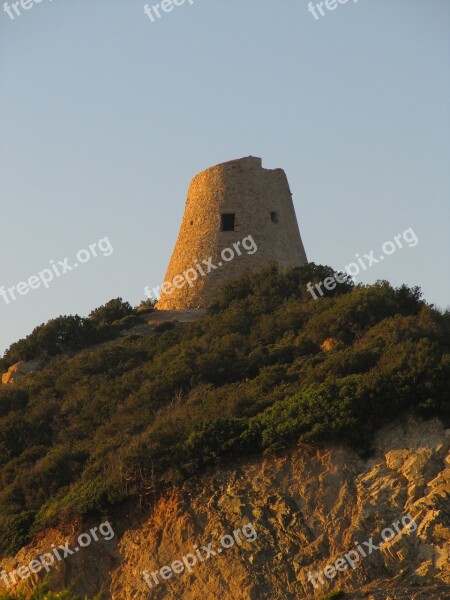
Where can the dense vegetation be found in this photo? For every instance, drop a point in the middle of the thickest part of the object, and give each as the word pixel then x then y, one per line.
pixel 268 367
pixel 68 334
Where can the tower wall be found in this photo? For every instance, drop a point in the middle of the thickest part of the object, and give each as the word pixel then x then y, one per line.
pixel 262 204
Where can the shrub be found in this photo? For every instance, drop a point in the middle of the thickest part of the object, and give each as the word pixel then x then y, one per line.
pixel 335 595
pixel 147 305
pixel 64 334
pixel 14 530
pixel 114 310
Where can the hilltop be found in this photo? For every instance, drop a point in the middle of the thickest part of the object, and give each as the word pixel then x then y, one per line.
pixel 124 425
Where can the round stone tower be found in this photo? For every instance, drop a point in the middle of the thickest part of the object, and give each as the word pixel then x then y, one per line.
pixel 238 217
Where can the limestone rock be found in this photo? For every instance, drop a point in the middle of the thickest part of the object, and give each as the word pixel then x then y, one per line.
pixel 20 369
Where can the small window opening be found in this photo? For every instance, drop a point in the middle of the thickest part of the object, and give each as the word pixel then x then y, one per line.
pixel 274 217
pixel 227 223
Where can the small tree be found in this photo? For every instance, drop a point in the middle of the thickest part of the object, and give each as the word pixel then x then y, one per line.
pixel 111 311
pixel 146 305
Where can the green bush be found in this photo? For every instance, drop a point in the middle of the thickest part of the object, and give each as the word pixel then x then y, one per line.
pixel 61 335
pixel 68 334
pixel 114 310
pixel 14 530
pixel 335 595
pixel 128 322
pixel 146 306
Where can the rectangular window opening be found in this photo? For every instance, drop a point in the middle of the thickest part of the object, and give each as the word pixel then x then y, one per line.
pixel 227 222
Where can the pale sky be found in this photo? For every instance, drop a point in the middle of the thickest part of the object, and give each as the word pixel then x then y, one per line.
pixel 106 116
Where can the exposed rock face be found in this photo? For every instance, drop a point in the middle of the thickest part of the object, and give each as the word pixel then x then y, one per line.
pixel 307 507
pixel 257 202
pixel 19 370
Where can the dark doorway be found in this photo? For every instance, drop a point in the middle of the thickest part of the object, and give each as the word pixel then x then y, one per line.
pixel 227 223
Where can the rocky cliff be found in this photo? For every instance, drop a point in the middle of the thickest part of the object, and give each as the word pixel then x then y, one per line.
pixel 307 507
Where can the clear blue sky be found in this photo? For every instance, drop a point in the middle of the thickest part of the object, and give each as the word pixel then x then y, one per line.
pixel 105 117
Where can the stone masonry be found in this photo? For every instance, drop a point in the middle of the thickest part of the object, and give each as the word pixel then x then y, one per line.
pixel 225 204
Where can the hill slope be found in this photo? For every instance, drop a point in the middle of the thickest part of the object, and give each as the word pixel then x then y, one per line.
pixel 127 422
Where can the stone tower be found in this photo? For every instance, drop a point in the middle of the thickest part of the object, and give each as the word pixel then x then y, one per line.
pixel 227 203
